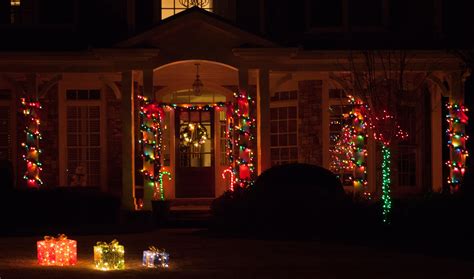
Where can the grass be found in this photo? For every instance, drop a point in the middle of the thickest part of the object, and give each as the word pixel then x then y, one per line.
pixel 198 254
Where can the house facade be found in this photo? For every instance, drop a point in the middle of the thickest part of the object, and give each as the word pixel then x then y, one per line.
pixel 87 63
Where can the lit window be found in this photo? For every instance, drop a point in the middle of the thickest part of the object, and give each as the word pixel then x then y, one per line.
pixel 172 7
pixel 15 3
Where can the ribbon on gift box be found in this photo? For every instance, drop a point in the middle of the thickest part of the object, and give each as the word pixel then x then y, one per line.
pixel 154 249
pixel 111 244
pixel 52 238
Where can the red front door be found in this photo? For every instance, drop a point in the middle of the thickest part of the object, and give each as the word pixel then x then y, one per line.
pixel 195 161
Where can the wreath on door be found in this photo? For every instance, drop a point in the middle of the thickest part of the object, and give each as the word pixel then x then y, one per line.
pixel 193 134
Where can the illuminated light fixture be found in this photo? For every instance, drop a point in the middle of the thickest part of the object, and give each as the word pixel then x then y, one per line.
pixel 197 84
pixel 15 3
pixel 197 3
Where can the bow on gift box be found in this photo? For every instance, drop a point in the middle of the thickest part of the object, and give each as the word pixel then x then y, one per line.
pixel 154 249
pixel 52 238
pixel 111 244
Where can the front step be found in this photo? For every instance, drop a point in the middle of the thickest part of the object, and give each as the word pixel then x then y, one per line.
pixel 190 212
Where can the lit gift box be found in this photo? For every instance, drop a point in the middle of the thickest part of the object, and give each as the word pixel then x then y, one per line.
pixel 57 251
pixel 109 256
pixel 155 258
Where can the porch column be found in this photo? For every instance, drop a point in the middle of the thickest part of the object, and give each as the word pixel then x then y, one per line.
pixel 436 142
pixel 243 78
pixel 128 142
pixel 148 93
pixel 263 120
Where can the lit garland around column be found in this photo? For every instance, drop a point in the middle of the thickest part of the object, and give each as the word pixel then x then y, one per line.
pixel 151 118
pixel 386 198
pixel 31 145
pixel 457 120
pixel 244 127
pixel 359 152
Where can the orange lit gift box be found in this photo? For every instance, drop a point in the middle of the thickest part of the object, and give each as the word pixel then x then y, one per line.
pixel 59 251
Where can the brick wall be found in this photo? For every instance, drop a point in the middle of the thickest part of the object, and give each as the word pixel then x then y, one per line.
pixel 310 122
pixel 114 143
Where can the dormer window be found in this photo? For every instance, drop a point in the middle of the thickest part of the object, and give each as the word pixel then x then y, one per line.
pixel 172 7
pixel 15 11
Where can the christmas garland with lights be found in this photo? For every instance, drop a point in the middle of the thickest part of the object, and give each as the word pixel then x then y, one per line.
pixel 457 120
pixel 244 129
pixel 193 134
pixel 151 119
pixel 31 145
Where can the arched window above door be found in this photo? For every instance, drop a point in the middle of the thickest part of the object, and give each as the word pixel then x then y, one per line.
pixel 172 7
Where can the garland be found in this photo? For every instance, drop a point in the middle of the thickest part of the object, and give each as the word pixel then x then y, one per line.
pixel 457 120
pixel 31 145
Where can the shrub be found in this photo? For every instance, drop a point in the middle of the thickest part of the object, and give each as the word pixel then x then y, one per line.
pixel 288 198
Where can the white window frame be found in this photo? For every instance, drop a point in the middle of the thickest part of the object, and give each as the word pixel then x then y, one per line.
pixel 63 103
pixel 286 104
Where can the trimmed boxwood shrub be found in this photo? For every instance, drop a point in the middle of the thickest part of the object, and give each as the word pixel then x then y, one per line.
pixel 286 198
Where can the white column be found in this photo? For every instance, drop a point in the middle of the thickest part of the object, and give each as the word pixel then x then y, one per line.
pixel 148 188
pixel 128 142
pixel 263 120
pixel 436 142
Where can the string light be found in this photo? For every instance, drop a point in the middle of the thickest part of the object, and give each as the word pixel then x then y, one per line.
pixel 243 127
pixel 386 198
pixel 58 251
pixel 151 121
pixel 31 145
pixel 155 258
pixel 457 120
pixel 109 256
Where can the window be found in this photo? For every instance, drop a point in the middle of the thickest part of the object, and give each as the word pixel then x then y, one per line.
pixel 15 14
pixel 172 7
pixel 5 125
pixel 283 128
pixel 83 94
pixel 83 137
pixel 407 167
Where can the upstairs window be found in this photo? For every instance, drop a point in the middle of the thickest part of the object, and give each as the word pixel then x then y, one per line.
pixel 172 7
pixel 15 6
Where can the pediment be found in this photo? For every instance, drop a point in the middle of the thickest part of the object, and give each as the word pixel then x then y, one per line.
pixel 195 34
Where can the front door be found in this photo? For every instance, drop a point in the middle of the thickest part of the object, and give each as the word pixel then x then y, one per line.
pixel 195 154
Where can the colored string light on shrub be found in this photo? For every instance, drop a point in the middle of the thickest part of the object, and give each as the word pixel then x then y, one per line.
pixel 386 198
pixel 155 258
pixel 33 137
pixel 457 120
pixel 59 251
pixel 109 256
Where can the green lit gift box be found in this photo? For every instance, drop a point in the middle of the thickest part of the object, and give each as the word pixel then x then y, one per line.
pixel 109 256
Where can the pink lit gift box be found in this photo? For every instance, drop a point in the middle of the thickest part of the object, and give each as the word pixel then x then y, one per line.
pixel 58 251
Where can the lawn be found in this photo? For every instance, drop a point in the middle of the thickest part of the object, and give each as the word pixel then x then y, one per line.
pixel 198 254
